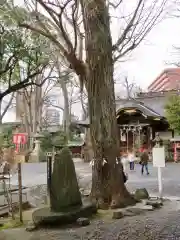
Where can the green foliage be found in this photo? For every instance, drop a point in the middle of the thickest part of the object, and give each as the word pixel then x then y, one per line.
pixel 23 54
pixel 59 139
pixel 6 136
pixel 12 224
pixel 172 109
pixel 46 142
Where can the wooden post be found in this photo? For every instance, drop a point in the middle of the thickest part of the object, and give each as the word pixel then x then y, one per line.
pixel 49 174
pixel 20 192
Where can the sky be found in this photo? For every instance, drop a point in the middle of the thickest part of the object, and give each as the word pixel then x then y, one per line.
pixel 154 54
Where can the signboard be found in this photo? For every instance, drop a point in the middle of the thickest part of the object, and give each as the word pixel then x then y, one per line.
pixel 49 154
pixel 158 154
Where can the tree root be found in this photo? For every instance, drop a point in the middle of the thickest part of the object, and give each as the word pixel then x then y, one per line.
pixel 116 202
pixel 122 202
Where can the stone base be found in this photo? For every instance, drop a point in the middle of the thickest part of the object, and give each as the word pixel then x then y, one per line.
pixel 33 159
pixel 141 193
pixel 45 217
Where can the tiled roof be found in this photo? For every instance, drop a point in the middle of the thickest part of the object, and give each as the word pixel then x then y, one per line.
pixel 147 109
pixel 167 80
pixel 139 105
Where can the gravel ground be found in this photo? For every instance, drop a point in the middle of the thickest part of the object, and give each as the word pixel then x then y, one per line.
pixel 147 227
pixel 161 224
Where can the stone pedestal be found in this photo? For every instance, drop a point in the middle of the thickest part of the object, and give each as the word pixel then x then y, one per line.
pixel 37 154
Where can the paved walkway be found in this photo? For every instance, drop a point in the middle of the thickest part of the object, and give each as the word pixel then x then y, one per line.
pixel 170 175
pixel 35 174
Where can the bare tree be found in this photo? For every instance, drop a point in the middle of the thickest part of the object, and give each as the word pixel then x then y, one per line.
pixel 68 84
pixel 63 81
pixel 62 25
pixel 128 89
pixel 138 23
pixel 77 96
pixel 32 100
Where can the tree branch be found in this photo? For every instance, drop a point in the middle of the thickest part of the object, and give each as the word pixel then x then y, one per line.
pixel 23 84
pixel 128 27
pixel 115 5
pixel 7 106
pixel 140 24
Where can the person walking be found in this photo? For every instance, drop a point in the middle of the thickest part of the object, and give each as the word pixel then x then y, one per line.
pixel 144 161
pixel 131 158
pixel 124 161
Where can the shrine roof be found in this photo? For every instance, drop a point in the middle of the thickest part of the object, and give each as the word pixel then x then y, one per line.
pixel 132 103
pixel 150 110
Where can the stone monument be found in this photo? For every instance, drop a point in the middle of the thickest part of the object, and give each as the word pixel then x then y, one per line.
pixel 66 205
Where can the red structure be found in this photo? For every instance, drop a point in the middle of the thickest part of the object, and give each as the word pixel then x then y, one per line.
pixel 18 139
pixel 176 148
pixel 169 79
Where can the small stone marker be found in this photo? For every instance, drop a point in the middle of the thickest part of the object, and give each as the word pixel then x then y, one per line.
pixel 31 227
pixel 141 193
pixel 135 211
pixel 147 208
pixel 128 214
pixel 155 203
pixel 117 215
pixel 83 222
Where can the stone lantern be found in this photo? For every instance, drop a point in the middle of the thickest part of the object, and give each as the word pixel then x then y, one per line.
pixel 37 154
pixel 157 140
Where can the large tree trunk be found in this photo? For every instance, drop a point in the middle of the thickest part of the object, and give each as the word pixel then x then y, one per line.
pixel 107 181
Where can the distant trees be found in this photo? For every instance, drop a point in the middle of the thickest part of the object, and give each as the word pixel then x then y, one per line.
pixel 172 109
pixel 31 100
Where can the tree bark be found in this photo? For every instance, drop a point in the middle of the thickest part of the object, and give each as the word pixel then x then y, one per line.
pixel 107 180
pixel 66 113
pixel 88 154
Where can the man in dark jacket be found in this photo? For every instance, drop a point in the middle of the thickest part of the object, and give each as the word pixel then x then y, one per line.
pixel 144 161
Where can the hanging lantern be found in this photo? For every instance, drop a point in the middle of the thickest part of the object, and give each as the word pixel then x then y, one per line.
pixel 123 137
pixel 134 129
